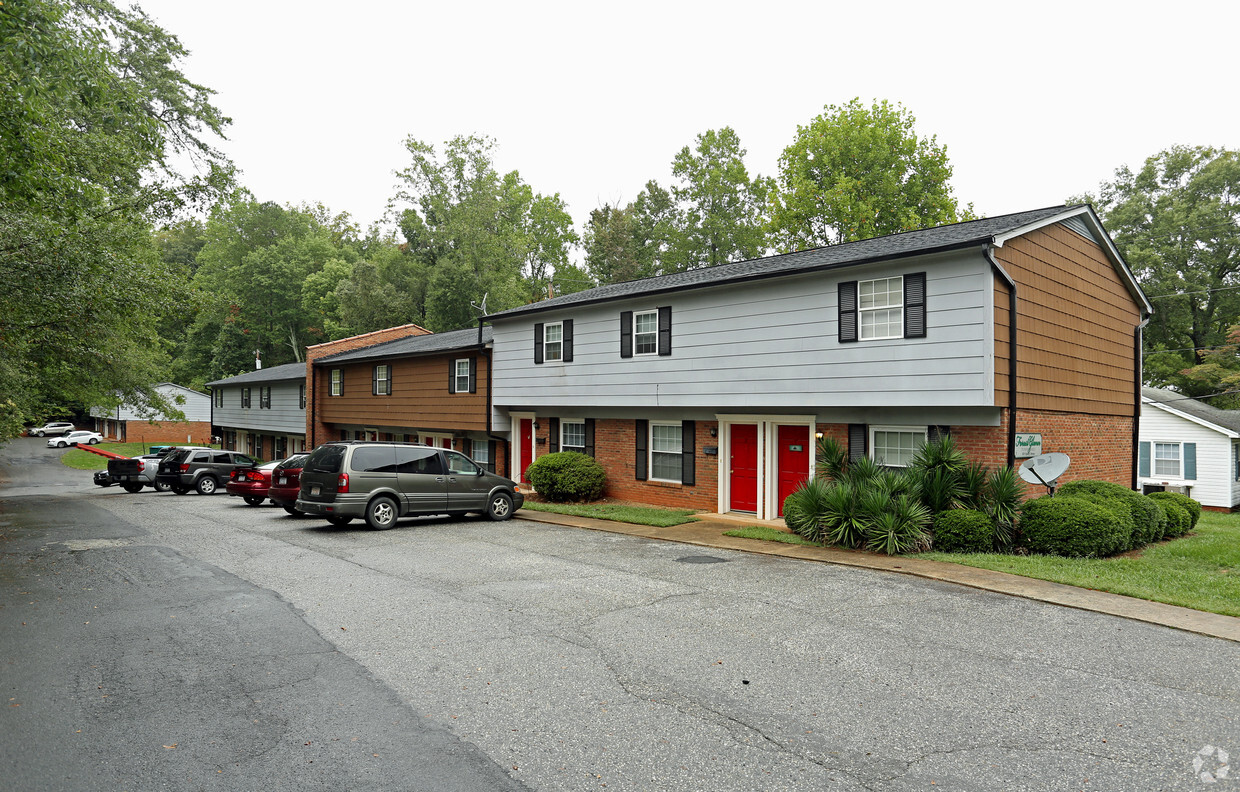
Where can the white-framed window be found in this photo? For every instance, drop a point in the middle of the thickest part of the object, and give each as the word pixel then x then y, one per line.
pixel 665 449
pixel 553 341
pixel 462 375
pixel 337 382
pixel 480 452
pixel 383 380
pixel 881 304
pixel 573 436
pixel 264 397
pixel 245 397
pixel 219 397
pixel 301 395
pixel 1167 460
pixel 894 446
pixel 646 333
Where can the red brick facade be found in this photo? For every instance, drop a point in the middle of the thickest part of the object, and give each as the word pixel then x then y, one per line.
pixel 192 432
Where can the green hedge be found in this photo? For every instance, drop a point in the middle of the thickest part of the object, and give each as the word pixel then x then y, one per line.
pixel 1186 503
pixel 963 531
pixel 1073 526
pixel 1179 521
pixel 567 476
pixel 1148 521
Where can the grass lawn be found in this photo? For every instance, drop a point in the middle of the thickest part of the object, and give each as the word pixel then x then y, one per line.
pixel 1199 571
pixel 84 460
pixel 638 515
pixel 770 535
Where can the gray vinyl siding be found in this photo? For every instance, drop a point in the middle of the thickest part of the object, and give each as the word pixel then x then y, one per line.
pixel 766 344
pixel 286 416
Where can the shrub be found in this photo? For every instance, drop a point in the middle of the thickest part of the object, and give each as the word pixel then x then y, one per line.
pixel 567 476
pixel 1186 503
pixel 1070 526
pixel 1179 521
pixel 805 510
pixel 1147 519
pixel 900 528
pixel 1004 491
pixel 963 531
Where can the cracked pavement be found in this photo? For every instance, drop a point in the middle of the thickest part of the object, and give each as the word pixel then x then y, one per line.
pixel 540 657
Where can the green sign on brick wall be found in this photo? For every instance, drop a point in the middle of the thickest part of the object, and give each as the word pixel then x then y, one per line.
pixel 1028 445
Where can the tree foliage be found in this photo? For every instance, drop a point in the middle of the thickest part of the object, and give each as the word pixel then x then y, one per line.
pixel 856 172
pixel 100 136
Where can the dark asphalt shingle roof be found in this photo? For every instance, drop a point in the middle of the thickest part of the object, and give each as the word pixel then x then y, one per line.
pixel 289 371
pixel 909 243
pixel 1228 419
pixel 427 344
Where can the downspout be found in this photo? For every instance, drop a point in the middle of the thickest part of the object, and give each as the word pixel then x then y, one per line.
pixel 1138 373
pixel 312 397
pixel 491 403
pixel 1011 284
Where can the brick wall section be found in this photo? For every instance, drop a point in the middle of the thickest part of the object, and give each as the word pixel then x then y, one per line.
pixel 199 432
pixel 317 431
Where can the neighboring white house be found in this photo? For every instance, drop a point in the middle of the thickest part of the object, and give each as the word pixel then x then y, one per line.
pixel 1188 446
pixel 135 424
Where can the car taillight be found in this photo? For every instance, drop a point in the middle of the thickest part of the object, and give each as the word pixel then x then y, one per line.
pixel 342 482
pixel 185 468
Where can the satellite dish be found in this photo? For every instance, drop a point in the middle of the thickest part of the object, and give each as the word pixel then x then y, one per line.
pixel 1045 469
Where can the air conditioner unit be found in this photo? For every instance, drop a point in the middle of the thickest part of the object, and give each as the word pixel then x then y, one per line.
pixel 1183 489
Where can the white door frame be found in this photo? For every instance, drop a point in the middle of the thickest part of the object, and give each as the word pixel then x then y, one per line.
pixel 514 447
pixel 768 457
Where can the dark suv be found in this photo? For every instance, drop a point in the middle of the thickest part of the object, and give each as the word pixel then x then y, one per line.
pixel 384 481
pixel 203 469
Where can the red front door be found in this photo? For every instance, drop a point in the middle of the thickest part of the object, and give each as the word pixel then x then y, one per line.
pixel 526 446
pixel 743 478
pixel 793 460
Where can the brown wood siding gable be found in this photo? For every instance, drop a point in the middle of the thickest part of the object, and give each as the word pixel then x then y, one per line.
pixel 419 399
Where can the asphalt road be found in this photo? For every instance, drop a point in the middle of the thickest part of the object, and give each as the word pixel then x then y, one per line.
pixel 156 641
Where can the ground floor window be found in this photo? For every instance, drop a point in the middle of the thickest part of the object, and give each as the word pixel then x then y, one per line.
pixel 665 449
pixel 1167 459
pixel 480 452
pixel 573 436
pixel 280 449
pixel 894 446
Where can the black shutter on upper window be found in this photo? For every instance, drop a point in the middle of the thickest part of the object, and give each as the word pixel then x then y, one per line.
pixel 626 334
pixel 858 434
pixel 451 376
pixel 473 375
pixel 915 305
pixel 589 437
pixel 553 434
pixel 688 452
pixel 538 343
pixel 665 330
pixel 848 311
pixel 374 381
pixel 391 373
pixel 641 432
pixel 568 340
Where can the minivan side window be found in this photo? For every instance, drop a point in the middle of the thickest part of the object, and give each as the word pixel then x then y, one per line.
pixel 376 459
pixel 459 463
pixel 415 459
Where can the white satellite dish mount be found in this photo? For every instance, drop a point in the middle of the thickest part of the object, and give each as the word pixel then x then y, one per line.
pixel 1045 469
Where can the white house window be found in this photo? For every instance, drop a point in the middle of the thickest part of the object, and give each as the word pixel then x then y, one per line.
pixel 219 397
pixel 881 304
pixel 264 397
pixel 1167 459
pixel 894 446
pixel 245 397
pixel 665 449
pixel 383 381
pixel 573 436
pixel 553 342
pixel 646 333
pixel 301 396
pixel 462 375
pixel 480 452
pixel 337 382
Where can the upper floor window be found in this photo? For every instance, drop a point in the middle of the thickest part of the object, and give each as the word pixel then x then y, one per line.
pixel 462 376
pixel 264 397
pixel 573 436
pixel 301 395
pixel 882 307
pixel 894 446
pixel 381 381
pixel 219 397
pixel 337 382
pixel 245 397
pixel 646 333
pixel 1167 459
pixel 553 341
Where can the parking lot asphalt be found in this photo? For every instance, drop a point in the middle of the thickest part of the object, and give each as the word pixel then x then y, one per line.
pixel 709 532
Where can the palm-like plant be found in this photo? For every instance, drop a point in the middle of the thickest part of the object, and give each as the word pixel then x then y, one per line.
pixel 1004 491
pixel 844 523
pixel 900 529
pixel 832 458
pixel 805 510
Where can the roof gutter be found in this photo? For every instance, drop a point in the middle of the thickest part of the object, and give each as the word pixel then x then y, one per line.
pixel 1011 284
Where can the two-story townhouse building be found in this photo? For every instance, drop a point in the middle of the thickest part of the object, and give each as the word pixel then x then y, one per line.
pixel 138 423
pixel 262 412
pixel 429 388
pixel 708 388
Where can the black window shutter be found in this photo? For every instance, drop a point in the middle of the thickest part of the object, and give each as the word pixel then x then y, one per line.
pixel 374 381
pixel 642 431
pixel 538 343
pixel 915 305
pixel 626 334
pixel 590 437
pixel 473 375
pixel 391 371
pixel 451 376
pixel 553 433
pixel 934 433
pixel 858 434
pixel 491 455
pixel 567 346
pixel 688 452
pixel 848 311
pixel 665 330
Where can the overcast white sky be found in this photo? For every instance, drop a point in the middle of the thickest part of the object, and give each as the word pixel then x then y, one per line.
pixel 1034 101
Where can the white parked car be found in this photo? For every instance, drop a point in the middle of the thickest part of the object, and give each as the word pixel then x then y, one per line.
pixel 53 428
pixel 73 438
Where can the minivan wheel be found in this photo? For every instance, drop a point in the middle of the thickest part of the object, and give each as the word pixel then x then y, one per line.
pixel 500 507
pixel 206 486
pixel 381 513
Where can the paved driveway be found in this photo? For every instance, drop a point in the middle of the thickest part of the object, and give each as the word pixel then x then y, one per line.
pixel 575 660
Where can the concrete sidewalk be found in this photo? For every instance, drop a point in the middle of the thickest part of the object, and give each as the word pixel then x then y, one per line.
pixel 709 530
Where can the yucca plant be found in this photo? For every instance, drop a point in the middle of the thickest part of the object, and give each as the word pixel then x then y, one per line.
pixel 1004 491
pixel 862 471
pixel 941 489
pixel 940 454
pixel 843 523
pixel 832 458
pixel 805 509
pixel 900 529
pixel 973 486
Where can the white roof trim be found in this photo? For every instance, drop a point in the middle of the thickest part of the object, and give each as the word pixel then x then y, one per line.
pixel 1201 421
pixel 1086 213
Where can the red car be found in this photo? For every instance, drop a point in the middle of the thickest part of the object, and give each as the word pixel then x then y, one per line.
pixel 286 483
pixel 251 483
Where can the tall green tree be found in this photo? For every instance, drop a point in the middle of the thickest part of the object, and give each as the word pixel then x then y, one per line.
pixel 640 240
pixel 1176 221
pixel 856 172
pixel 101 137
